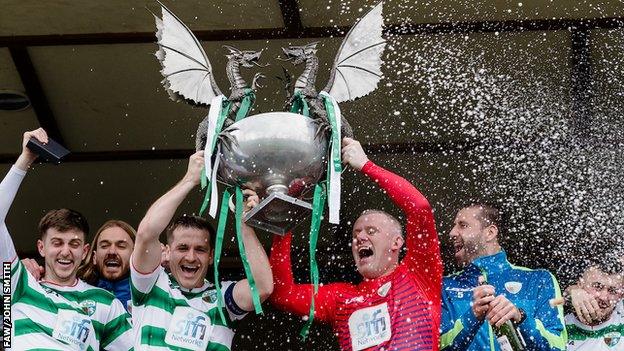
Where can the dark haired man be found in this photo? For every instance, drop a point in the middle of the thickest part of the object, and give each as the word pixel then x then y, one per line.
pixel 471 310
pixel 597 322
pixel 180 310
pixel 60 312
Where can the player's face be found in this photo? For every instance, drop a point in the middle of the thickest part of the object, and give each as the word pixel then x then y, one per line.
pixel 189 255
pixel 375 245
pixel 112 253
pixel 468 236
pixel 63 252
pixel 605 288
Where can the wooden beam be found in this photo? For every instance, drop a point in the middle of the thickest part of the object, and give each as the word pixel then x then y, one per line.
pixel 317 32
pixel 35 92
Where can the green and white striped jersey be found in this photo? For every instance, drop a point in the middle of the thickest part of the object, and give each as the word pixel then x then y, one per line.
pixel 169 317
pixel 606 336
pixel 52 317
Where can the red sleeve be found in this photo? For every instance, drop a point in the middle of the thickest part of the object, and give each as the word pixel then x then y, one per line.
pixel 296 298
pixel 423 248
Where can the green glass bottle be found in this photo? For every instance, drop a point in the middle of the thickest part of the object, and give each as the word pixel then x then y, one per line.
pixel 507 335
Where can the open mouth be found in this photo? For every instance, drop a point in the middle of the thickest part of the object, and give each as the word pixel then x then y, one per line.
pixel 64 263
pixel 365 252
pixel 189 269
pixel 112 263
pixel 457 247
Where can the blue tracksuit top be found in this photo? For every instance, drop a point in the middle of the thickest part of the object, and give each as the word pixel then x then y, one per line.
pixel 528 289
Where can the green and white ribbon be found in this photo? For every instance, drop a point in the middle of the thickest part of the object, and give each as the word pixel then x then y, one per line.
pixel 255 296
pixel 218 248
pixel 318 204
pixel 249 98
pixel 300 105
pixel 334 179
pixel 219 108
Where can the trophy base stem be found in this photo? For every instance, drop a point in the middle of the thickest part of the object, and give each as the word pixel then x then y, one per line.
pixel 258 217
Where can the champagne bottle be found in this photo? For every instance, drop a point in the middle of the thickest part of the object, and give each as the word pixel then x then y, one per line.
pixel 507 335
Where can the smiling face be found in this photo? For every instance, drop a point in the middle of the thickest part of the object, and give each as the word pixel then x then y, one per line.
pixel 189 254
pixel 605 288
pixel 377 241
pixel 112 253
pixel 63 252
pixel 468 236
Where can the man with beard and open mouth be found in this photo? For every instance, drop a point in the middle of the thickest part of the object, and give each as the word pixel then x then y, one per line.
pixel 597 320
pixel 471 310
pixel 60 312
pixel 108 264
pixel 180 310
pixel 397 305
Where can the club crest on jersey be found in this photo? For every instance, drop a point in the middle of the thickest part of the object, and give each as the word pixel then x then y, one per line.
pixel 210 296
pixel 513 287
pixel 612 338
pixel 383 290
pixel 88 307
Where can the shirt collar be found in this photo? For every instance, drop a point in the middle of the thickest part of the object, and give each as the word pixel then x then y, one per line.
pixel 113 285
pixel 492 263
pixel 174 284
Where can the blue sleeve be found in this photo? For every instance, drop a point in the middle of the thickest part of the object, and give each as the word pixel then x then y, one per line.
pixel 456 332
pixel 545 329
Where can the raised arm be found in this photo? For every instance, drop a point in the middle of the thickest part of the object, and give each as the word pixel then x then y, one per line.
pixel 423 248
pixel 295 298
pixel 147 252
pixel 8 189
pixel 258 261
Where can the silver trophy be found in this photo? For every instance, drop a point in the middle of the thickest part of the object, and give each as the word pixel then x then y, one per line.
pixel 279 155
pixel 280 164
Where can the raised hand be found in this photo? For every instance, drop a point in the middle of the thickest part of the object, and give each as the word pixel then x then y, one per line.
pixel 353 154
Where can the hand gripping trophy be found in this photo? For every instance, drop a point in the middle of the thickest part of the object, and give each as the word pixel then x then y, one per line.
pixel 285 157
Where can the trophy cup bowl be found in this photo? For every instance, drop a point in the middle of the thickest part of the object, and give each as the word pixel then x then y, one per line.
pixel 278 155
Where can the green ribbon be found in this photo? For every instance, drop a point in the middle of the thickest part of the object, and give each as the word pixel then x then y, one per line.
pixel 249 98
pixel 218 248
pixel 241 247
pixel 331 116
pixel 300 105
pixel 318 204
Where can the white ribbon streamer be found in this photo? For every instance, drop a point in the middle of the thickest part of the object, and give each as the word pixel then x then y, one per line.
pixel 213 116
pixel 333 197
pixel 214 195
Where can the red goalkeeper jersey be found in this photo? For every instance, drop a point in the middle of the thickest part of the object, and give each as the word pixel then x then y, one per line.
pixel 400 311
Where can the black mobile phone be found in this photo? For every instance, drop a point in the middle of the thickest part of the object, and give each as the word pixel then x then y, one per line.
pixel 51 152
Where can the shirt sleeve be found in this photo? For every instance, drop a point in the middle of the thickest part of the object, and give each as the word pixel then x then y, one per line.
pixel 421 238
pixel 234 311
pixel 8 189
pixel 545 330
pixel 141 284
pixel 457 332
pixel 117 332
pixel 296 298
